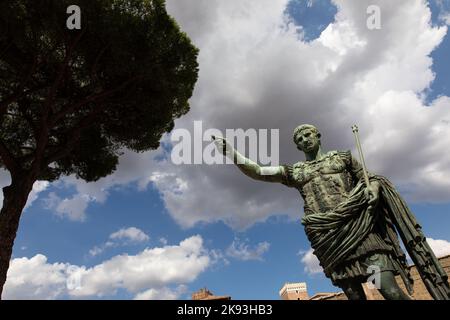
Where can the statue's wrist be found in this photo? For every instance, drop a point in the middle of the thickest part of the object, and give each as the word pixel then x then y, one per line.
pixel 375 184
pixel 230 154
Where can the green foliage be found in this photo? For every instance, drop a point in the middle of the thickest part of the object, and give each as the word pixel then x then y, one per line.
pixel 70 100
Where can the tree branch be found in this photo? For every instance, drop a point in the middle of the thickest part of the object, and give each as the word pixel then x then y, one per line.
pixel 8 158
pixel 29 119
pixel 91 98
pixel 74 136
pixel 19 92
pixel 62 69
pixel 84 123
pixel 97 59
pixel 42 139
pixel 5 49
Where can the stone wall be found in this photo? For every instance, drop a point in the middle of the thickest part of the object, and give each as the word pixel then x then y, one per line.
pixel 420 291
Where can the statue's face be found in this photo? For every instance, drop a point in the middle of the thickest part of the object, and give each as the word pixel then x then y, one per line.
pixel 308 141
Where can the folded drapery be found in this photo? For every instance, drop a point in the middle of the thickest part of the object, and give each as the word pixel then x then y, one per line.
pixel 336 235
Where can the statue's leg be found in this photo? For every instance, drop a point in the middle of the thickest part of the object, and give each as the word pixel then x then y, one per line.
pixel 390 290
pixel 353 290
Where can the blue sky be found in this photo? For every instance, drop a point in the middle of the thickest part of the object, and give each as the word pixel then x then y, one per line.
pixel 244 242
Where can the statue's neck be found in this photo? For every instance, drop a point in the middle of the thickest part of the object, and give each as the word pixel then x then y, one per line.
pixel 314 155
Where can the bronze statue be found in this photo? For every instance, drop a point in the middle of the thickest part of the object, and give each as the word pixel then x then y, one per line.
pixel 350 223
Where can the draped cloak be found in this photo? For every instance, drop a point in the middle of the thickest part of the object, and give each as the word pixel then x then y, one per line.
pixel 334 235
pixel 346 235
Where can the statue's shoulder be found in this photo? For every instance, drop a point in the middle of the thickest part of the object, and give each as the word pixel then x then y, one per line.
pixel 293 174
pixel 295 169
pixel 299 165
pixel 345 155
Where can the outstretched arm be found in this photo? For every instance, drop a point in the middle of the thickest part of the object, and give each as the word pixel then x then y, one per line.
pixel 247 166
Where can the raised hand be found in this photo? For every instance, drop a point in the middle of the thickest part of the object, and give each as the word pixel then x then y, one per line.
pixel 222 145
pixel 372 194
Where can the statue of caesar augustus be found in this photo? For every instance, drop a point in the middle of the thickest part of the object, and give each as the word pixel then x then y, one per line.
pixel 352 226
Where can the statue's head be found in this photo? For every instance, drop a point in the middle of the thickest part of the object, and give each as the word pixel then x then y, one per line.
pixel 307 137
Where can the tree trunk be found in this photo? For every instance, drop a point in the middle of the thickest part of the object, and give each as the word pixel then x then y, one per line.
pixel 15 198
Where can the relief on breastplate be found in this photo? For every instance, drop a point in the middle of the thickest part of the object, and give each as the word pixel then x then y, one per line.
pixel 327 183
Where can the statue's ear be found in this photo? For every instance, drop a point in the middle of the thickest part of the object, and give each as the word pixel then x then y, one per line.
pixel 319 135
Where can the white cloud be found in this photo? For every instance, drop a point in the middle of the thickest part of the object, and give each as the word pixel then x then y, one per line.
pixel 446 18
pixel 133 167
pixel 34 278
pixel 72 208
pixel 255 72
pixel 444 13
pixel 440 248
pixel 162 294
pixel 132 234
pixel 312 265
pixel 218 257
pixel 243 251
pixel 51 201
pixel 38 187
pixel 96 250
pixel 153 268
pixel 124 236
pixel 5 179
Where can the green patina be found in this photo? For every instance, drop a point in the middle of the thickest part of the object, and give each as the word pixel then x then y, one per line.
pixel 352 227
